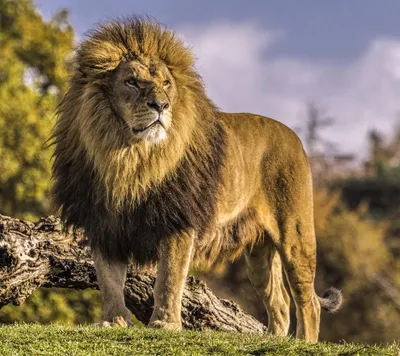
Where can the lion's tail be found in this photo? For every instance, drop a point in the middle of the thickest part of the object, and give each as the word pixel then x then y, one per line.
pixel 331 300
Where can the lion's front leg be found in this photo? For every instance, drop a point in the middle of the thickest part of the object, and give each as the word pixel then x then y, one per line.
pixel 111 277
pixel 173 266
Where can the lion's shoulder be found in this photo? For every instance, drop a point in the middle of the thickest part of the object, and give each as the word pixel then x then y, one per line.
pixel 257 128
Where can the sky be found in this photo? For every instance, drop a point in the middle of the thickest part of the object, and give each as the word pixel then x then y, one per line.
pixel 272 57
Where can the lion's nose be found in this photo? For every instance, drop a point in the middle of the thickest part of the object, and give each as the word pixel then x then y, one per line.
pixel 159 106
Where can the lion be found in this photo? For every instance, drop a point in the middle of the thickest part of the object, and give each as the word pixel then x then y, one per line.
pixel 155 173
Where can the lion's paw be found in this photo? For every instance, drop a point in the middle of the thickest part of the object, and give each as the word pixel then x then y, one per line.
pixel 159 324
pixel 117 322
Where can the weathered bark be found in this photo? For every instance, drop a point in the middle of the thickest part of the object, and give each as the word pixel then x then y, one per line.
pixel 42 255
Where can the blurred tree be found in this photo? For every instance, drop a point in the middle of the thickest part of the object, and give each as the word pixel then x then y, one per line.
pixel 316 121
pixel 62 306
pixel 33 71
pixel 354 256
pixel 33 77
pixel 379 186
pixel 384 155
pixel 325 158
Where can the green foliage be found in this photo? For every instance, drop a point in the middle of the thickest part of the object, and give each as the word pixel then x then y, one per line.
pixel 353 256
pixel 61 306
pixel 57 340
pixel 33 75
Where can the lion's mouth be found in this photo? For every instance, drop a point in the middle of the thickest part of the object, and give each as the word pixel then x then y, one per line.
pixel 154 123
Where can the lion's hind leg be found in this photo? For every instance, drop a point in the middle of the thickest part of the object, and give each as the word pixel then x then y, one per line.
pixel 265 273
pixel 297 249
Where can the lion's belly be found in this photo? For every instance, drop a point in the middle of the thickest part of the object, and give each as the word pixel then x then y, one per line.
pixel 227 241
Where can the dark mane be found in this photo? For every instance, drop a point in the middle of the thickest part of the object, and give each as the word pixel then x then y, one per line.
pixel 184 199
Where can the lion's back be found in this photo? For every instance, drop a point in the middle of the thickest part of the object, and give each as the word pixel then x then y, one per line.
pixel 260 135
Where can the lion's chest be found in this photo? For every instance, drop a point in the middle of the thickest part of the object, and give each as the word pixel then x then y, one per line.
pixel 183 202
pixel 179 205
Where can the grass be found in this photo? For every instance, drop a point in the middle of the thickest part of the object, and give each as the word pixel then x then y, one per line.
pixel 86 340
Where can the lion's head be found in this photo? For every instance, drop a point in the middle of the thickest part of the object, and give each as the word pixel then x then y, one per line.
pixel 143 93
pixel 134 107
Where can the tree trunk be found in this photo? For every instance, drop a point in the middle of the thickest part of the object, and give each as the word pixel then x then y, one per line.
pixel 34 255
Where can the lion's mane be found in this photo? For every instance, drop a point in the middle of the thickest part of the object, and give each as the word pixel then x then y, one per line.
pixel 129 197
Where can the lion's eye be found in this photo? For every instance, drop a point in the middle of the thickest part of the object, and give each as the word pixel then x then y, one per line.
pixel 166 83
pixel 131 82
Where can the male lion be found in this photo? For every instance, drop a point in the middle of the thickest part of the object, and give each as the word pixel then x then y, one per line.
pixel 154 172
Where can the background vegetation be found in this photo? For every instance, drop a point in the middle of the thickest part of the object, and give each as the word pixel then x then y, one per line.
pixel 357 206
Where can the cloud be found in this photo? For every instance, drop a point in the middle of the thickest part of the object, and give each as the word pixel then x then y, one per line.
pixel 243 74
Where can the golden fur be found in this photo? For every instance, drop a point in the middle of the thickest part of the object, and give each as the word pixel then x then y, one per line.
pixel 153 172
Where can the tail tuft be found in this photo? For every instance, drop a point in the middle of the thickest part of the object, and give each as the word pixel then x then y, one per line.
pixel 331 300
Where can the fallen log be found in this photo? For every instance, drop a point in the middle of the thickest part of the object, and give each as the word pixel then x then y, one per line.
pixel 34 255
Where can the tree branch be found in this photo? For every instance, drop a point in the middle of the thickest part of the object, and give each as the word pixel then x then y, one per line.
pixel 34 255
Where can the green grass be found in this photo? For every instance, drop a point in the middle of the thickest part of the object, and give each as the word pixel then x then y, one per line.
pixel 87 340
